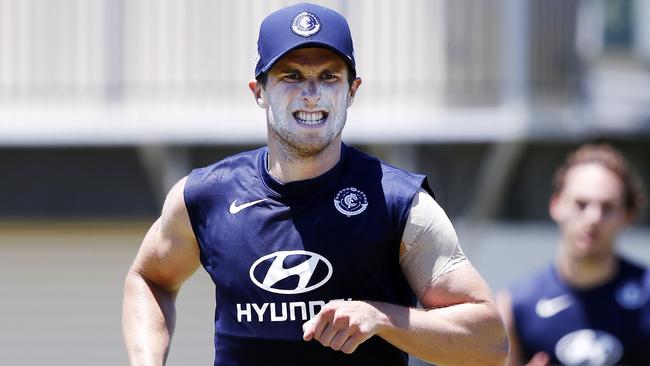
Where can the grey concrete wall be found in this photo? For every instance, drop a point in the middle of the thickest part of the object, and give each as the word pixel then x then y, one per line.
pixel 61 291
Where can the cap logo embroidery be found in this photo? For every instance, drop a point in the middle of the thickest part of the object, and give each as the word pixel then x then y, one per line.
pixel 305 24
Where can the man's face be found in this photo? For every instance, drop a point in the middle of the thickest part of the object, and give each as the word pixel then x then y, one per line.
pixel 306 98
pixel 590 211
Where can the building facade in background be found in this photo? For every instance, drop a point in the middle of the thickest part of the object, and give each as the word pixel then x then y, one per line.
pixel 105 103
pixel 484 97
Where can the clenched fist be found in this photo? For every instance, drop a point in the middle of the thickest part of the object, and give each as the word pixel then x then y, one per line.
pixel 344 325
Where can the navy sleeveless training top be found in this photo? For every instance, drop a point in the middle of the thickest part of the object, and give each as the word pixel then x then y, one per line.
pixel 606 325
pixel 279 252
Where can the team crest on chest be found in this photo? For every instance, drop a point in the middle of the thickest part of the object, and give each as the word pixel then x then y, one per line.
pixel 631 295
pixel 350 201
pixel 305 24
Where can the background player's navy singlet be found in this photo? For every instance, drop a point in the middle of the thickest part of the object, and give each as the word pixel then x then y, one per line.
pixel 606 325
pixel 278 252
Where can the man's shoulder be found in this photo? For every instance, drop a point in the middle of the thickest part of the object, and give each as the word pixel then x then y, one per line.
pixel 632 266
pixel 391 177
pixel 240 167
pixel 243 157
pixel 361 157
pixel 631 269
pixel 239 160
pixel 533 285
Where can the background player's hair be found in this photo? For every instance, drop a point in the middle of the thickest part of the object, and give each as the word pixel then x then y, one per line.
pixel 607 156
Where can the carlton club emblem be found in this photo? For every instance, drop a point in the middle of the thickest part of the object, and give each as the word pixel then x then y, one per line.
pixel 305 24
pixel 350 201
pixel 631 295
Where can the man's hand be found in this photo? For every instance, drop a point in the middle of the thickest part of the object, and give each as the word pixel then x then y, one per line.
pixel 344 325
pixel 539 359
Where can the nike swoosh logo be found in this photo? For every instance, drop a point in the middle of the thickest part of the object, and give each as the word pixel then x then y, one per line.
pixel 234 208
pixel 547 308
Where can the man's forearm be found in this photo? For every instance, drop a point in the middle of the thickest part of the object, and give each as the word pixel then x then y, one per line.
pixel 463 334
pixel 148 319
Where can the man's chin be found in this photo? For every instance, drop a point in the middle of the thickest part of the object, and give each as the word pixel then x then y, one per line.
pixel 588 250
pixel 309 148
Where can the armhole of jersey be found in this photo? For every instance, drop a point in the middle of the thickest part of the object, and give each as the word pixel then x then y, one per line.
pixel 417 183
pixel 189 197
pixel 425 186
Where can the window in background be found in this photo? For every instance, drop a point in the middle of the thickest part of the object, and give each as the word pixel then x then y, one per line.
pixel 619 25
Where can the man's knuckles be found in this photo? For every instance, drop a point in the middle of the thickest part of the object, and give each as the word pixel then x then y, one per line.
pixel 327 312
pixel 350 345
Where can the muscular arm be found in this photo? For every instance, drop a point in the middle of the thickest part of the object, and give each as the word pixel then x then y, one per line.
pixel 167 257
pixel 459 324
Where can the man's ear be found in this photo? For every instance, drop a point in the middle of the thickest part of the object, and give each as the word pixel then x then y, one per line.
pixel 630 216
pixel 554 208
pixel 256 89
pixel 353 90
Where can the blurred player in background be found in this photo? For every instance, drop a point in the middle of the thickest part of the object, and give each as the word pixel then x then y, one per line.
pixel 590 307
pixel 318 251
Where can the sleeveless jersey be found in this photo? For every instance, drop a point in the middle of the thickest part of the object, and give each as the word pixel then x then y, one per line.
pixel 606 325
pixel 279 252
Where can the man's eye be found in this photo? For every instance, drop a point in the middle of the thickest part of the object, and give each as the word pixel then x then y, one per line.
pixel 329 77
pixel 291 78
pixel 607 209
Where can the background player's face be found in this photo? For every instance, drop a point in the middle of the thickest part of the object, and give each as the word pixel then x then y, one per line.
pixel 590 211
pixel 306 97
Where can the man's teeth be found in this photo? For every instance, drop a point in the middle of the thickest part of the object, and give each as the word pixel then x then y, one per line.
pixel 310 118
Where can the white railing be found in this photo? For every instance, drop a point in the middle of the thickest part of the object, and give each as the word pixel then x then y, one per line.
pixel 129 71
pixel 185 48
pixel 50 49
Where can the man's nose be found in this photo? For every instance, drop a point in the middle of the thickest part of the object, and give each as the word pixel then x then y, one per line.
pixel 311 93
pixel 594 213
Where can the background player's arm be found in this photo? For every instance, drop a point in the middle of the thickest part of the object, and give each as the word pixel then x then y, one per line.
pixel 459 324
pixel 504 303
pixel 167 257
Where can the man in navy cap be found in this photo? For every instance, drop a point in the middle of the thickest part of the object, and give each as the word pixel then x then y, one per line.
pixel 319 253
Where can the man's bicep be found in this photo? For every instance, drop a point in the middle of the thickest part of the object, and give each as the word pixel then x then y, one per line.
pixel 463 285
pixel 429 247
pixel 169 253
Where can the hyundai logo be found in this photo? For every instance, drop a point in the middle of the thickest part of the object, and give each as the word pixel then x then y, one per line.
pixel 270 272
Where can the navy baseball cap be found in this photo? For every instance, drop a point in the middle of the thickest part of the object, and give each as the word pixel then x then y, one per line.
pixel 299 26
